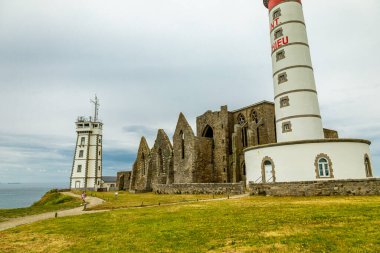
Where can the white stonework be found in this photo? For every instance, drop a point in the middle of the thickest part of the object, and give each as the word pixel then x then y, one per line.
pixel 303 111
pixel 87 163
pixel 296 161
pixel 301 152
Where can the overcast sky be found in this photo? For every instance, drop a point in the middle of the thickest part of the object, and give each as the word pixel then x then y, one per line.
pixel 149 60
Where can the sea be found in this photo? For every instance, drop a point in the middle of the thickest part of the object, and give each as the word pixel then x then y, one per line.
pixel 16 195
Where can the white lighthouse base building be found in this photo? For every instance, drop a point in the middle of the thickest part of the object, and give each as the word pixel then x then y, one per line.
pixel 309 160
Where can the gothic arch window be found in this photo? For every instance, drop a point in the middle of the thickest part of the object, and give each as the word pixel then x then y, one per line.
pixel 255 119
pixel 368 167
pixel 268 174
pixel 208 132
pixel 143 163
pixel 244 129
pixel 241 119
pixel 160 161
pixel 323 166
pixel 181 134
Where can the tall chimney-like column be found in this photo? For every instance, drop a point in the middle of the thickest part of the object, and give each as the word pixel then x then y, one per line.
pixel 296 101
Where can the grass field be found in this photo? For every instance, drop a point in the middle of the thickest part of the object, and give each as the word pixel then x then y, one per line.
pixel 51 201
pixel 126 199
pixel 251 224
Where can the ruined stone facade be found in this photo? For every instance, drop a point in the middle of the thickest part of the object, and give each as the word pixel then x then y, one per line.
pixel 141 179
pixel 162 160
pixel 123 180
pixel 213 155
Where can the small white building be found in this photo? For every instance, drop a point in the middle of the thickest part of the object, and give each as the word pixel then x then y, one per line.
pixel 301 152
pixel 109 183
pixel 86 172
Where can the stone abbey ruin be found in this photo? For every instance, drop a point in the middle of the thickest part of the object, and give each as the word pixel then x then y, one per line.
pixel 212 160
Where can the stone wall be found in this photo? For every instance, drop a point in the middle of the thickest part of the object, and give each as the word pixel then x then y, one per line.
pixel 254 123
pixel 215 126
pixel 183 151
pixel 361 187
pixel 162 160
pixel 123 180
pixel 141 172
pixel 210 188
pixel 204 171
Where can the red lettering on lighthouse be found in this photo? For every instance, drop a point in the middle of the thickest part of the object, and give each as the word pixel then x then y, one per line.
pixel 280 42
pixel 285 40
pixel 274 24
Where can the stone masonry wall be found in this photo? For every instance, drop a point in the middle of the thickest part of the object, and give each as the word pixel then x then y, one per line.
pixel 210 188
pixel 123 180
pixel 363 187
pixel 204 167
pixel 141 173
pixel 162 160
pixel 258 120
pixel 183 152
pixel 219 123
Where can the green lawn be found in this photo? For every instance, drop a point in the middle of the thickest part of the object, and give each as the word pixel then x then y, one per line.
pixel 51 201
pixel 252 224
pixel 126 199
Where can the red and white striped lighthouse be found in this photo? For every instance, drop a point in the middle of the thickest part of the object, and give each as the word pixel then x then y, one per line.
pixel 296 102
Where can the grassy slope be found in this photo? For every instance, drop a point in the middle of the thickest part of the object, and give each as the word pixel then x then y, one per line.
pixel 260 224
pixel 51 201
pixel 126 199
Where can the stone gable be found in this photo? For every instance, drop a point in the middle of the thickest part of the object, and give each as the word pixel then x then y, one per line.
pixel 162 160
pixel 141 173
pixel 184 151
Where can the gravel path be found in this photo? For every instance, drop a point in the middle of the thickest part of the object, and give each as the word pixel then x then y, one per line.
pixel 92 201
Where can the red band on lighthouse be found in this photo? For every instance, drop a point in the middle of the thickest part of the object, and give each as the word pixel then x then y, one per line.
pixel 273 3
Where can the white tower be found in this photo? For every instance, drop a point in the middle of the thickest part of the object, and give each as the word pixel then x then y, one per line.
pixel 87 163
pixel 296 102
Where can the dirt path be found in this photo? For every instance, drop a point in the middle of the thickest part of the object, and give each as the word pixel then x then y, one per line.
pixel 92 201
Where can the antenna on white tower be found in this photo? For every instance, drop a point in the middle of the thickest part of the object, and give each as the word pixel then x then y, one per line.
pixel 96 103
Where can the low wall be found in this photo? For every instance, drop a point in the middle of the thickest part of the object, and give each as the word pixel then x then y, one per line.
pixel 354 187
pixel 209 188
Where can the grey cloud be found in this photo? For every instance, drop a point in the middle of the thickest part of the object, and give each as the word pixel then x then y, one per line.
pixel 148 60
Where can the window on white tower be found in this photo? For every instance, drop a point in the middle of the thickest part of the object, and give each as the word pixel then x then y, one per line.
pixel 277 13
pixel 80 153
pixel 79 168
pixel 82 140
pixel 323 168
pixel 280 55
pixel 282 78
pixel 278 33
pixel 284 102
pixel 286 127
